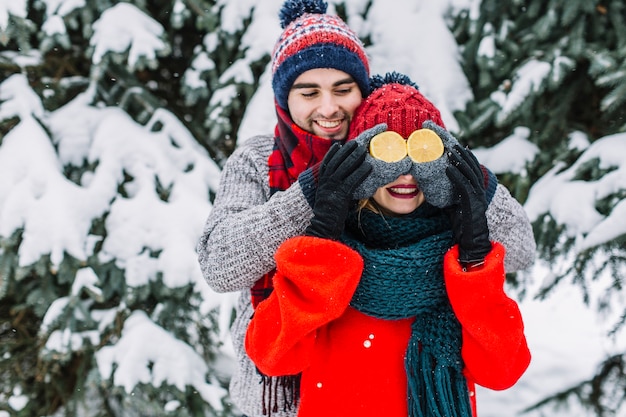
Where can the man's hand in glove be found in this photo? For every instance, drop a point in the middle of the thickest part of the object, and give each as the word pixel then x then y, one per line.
pixel 342 170
pixel 467 215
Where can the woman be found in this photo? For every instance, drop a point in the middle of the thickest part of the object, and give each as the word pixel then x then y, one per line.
pixel 396 307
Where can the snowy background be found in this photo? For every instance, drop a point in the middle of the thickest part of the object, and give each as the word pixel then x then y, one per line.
pixel 567 338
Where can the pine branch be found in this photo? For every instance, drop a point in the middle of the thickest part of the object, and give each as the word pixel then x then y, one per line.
pixel 604 394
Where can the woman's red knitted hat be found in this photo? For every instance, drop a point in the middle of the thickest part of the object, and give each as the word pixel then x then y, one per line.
pixel 396 101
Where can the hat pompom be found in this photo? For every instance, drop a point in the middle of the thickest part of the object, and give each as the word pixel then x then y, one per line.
pixel 377 81
pixel 293 9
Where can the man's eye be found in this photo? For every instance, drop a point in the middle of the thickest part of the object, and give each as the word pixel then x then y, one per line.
pixel 344 91
pixel 309 94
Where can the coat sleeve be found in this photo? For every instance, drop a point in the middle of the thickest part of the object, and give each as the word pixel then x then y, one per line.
pixel 313 285
pixel 494 349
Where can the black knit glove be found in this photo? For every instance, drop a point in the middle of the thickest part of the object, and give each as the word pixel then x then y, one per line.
pixel 469 222
pixel 342 170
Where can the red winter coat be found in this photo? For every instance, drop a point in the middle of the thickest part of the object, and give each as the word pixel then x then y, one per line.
pixel 353 364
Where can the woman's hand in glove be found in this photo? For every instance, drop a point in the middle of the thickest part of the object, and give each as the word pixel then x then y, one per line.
pixel 467 215
pixel 342 170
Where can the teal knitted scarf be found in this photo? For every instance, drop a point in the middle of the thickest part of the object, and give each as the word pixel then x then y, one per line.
pixel 403 278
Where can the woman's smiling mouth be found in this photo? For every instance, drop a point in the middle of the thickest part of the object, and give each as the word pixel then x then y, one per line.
pixel 403 191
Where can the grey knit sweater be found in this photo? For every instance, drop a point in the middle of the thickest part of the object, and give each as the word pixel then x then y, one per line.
pixel 246 226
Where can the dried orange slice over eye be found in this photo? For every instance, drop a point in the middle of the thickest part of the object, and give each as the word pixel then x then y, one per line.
pixel 424 145
pixel 388 146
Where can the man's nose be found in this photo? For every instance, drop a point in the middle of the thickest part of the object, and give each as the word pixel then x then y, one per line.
pixel 328 105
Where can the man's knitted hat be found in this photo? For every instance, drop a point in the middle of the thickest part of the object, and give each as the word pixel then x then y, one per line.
pixel 313 39
pixel 396 101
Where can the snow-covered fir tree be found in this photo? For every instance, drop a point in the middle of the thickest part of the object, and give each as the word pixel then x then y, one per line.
pixel 105 188
pixel 115 117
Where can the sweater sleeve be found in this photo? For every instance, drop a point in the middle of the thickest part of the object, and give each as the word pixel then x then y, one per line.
pixel 246 225
pixel 313 285
pixel 509 225
pixel 494 349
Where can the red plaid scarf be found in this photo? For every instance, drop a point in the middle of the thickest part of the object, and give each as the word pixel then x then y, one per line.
pixel 295 150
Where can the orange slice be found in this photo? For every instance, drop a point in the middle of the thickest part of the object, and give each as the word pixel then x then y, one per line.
pixel 388 146
pixel 424 145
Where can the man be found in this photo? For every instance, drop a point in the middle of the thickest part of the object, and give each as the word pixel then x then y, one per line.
pixel 320 76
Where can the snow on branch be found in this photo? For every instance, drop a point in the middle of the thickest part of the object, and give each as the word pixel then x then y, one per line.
pixel 571 198
pixel 147 353
pixel 125 29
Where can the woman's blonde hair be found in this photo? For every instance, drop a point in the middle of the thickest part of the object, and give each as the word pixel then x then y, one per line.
pixel 368 203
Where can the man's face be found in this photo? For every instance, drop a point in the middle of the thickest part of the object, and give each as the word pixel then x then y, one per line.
pixel 322 101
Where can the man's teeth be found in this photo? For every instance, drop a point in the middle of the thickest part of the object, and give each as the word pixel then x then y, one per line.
pixel 402 190
pixel 327 124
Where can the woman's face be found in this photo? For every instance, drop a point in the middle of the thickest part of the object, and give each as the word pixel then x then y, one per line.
pixel 401 196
